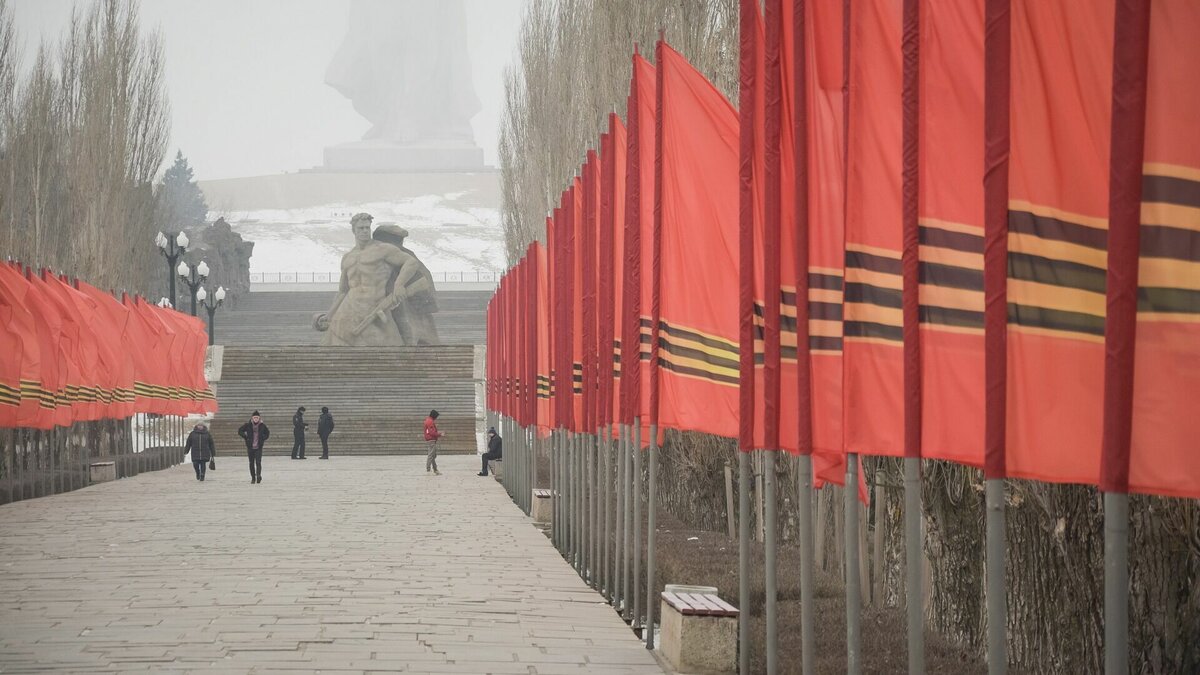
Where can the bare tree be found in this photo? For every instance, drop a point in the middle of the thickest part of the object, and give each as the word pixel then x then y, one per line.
pixel 82 136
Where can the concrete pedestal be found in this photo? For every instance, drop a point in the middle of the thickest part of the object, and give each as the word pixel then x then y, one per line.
pixel 543 506
pixel 699 644
pixel 102 472
pixel 385 157
pixel 497 468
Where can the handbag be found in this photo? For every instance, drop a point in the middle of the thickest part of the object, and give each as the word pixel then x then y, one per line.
pixel 212 465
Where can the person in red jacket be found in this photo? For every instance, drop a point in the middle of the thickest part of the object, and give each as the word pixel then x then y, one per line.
pixel 431 439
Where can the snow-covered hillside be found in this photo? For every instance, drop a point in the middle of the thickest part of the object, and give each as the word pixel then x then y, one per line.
pixel 453 221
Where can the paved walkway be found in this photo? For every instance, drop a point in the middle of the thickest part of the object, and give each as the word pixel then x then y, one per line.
pixel 350 565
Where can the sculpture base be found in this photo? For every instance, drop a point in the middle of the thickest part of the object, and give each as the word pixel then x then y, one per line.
pixel 384 157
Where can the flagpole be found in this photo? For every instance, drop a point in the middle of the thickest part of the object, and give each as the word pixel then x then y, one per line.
pixel 651 507
pixel 619 535
pixel 853 591
pixel 913 559
pixel 637 536
pixel 807 626
pixel 770 562
pixel 744 562
pixel 629 587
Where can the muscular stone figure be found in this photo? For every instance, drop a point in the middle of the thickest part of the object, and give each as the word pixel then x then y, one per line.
pixel 361 313
pixel 414 316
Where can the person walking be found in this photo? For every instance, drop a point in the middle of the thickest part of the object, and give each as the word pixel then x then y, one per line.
pixel 298 427
pixel 255 434
pixel 200 444
pixel 432 435
pixel 495 450
pixel 324 428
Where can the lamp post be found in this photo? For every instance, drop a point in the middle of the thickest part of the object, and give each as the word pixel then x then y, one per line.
pixel 171 248
pixel 218 297
pixel 193 277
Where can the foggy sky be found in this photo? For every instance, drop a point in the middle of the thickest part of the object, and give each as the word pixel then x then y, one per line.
pixel 246 77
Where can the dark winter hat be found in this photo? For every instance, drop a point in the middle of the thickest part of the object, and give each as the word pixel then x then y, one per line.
pixel 255 414
pixel 491 430
pixel 301 408
pixel 433 414
pixel 324 409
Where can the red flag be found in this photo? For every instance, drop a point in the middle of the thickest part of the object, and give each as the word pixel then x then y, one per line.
pixel 83 380
pixel 874 364
pixel 23 391
pixel 1166 377
pixel 116 349
pixel 1061 83
pixel 543 330
pixel 639 225
pixel 951 231
pixel 48 323
pixel 696 248
pixel 620 267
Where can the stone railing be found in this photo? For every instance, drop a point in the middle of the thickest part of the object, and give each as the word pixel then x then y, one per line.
pixel 461 277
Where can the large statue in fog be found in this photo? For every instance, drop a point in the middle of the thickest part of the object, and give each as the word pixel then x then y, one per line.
pixel 405 67
pixel 382 286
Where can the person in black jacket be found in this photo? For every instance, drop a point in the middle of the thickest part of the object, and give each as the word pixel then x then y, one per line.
pixel 324 428
pixel 255 434
pixel 200 444
pixel 495 450
pixel 298 427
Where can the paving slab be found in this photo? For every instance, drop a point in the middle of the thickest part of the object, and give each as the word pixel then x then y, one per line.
pixel 356 564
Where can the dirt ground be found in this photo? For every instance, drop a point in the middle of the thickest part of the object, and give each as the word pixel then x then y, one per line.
pixel 710 559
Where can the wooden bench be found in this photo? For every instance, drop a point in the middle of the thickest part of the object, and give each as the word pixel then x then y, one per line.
pixel 699 632
pixel 543 505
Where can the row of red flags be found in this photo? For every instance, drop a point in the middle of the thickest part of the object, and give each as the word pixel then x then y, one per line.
pixel 70 352
pixel 979 223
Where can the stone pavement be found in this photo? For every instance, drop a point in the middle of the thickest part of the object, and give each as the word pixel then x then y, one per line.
pixel 355 564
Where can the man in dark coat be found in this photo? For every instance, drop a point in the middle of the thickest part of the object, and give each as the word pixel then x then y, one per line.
pixel 495 450
pixel 200 444
pixel 324 428
pixel 255 433
pixel 298 427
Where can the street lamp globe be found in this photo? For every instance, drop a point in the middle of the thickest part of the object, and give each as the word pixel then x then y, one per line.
pixel 182 240
pixel 202 269
pixel 183 269
pixel 201 294
pixel 161 240
pixel 220 294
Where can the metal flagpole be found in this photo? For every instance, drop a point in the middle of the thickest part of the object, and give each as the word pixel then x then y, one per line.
pixel 554 522
pixel 853 592
pixel 651 508
pixel 628 587
pixel 622 507
pixel 769 562
pixel 1116 583
pixel 997 603
pixel 744 562
pixel 913 562
pixel 807 626
pixel 606 513
pixel 636 591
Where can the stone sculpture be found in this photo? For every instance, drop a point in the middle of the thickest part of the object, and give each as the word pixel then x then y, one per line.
pixel 379 278
pixel 414 316
pixel 404 65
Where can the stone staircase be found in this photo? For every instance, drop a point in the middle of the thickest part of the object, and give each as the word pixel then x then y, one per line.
pixel 379 396
pixel 285 317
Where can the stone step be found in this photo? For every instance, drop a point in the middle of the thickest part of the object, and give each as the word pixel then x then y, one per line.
pixel 285 317
pixel 379 397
